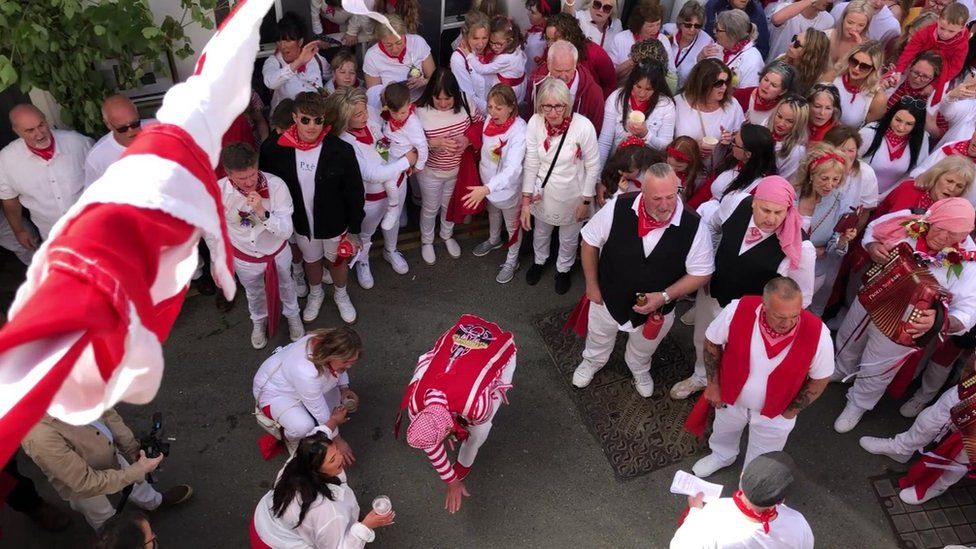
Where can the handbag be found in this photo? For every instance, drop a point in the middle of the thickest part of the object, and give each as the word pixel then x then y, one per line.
pixel 270 424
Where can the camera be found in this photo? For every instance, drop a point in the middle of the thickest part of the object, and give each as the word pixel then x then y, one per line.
pixel 155 443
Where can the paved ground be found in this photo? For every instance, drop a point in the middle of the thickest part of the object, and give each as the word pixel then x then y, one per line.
pixel 540 481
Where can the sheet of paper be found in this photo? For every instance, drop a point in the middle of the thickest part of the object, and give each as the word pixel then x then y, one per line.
pixel 689 485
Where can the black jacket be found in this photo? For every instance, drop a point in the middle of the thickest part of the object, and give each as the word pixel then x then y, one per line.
pixel 339 196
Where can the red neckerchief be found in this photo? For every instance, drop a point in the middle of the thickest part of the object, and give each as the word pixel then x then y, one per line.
pixel 852 89
pixel 774 341
pixel 777 137
pixel 646 223
pixel 905 90
pixel 639 105
pixel 922 246
pixel 486 56
pixel 817 132
pixel 925 201
pixel 554 131
pixel 636 183
pixel 291 140
pixel 744 508
pixel 47 153
pixel 396 125
pixel 960 147
pixel 363 135
pixel 736 50
pixel 897 144
pixel 762 105
pixel 399 58
pixel 262 187
pixel 682 176
pixel 493 129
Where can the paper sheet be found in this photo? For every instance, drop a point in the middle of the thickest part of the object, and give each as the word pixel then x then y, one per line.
pixel 689 485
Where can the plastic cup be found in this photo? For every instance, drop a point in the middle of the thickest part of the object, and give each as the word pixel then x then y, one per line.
pixel 350 405
pixel 382 505
pixel 710 141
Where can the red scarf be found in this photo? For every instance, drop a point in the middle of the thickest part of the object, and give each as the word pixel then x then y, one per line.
pixel 399 58
pixel 817 132
pixel 682 177
pixel 554 131
pixel 639 105
pixel 646 223
pixel 363 135
pixel 678 155
pixel 486 56
pixel 396 125
pixel 852 89
pixel 47 153
pixel 904 90
pixel 777 137
pixel 762 105
pixel 262 187
pixel 291 140
pixel 764 517
pixel 960 148
pixel 774 341
pixel 897 144
pixel 727 54
pixel 493 129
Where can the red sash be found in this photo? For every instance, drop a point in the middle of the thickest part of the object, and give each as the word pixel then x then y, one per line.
pixel 510 81
pixel 270 284
pixel 373 197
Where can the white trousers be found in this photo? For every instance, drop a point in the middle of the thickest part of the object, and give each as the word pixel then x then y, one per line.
pixel 568 244
pixel 872 356
pixel 478 434
pixel 929 426
pixel 601 335
pixel 706 310
pixel 9 240
pixel 510 216
pixel 99 509
pixel 765 434
pixel 251 276
pixel 374 211
pixel 293 416
pixel 436 188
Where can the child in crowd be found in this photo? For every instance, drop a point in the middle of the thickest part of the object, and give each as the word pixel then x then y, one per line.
pixel 504 60
pixel 345 70
pixel 684 157
pixel 948 37
pixel 535 40
pixel 402 131
pixel 622 172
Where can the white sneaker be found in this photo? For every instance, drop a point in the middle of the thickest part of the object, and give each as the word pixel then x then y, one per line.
pixel 259 334
pixel 644 384
pixel 346 309
pixel 298 275
pixel 882 447
pixel 913 406
pixel 326 276
pixel 313 305
pixel 507 273
pixel 685 388
pixel 706 466
pixel 688 319
pixel 485 248
pixel 584 373
pixel 909 496
pixel 849 418
pixel 363 274
pixel 453 248
pixel 391 219
pixel 295 328
pixel 427 252
pixel 397 261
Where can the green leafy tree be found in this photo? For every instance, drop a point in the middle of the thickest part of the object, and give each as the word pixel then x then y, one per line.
pixel 55 45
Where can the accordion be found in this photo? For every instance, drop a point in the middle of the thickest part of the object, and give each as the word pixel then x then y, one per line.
pixel 963 413
pixel 897 291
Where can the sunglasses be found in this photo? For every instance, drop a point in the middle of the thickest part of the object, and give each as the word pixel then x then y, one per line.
pixel 318 120
pixel 916 102
pixel 135 125
pixel 720 83
pixel 692 25
pixel 851 62
pixel 600 6
pixel 796 42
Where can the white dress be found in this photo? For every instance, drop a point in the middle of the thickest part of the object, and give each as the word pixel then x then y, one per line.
pixel 575 173
pixel 379 65
pixel 853 107
pixel 660 125
pixel 889 172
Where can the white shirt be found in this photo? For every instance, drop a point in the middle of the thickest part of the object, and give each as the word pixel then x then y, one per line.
pixel 753 394
pixel 535 50
pixel 746 66
pixel 721 525
pixel 853 107
pixel 861 188
pixel 286 83
pixel 251 233
pixel 804 272
pixel 883 24
pixel 470 82
pixel 961 116
pixel 45 187
pixel 360 26
pixel 697 124
pixel 787 166
pixel 887 171
pixel 780 37
pixel 963 287
pixel 106 151
pixel 502 173
pixel 684 59
pixel 306 163
pixel 620 46
pixel 590 30
pixel 660 125
pixel 388 69
pixel 409 136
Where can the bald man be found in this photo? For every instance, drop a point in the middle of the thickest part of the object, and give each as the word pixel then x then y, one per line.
pixel 562 62
pixel 121 117
pixel 43 171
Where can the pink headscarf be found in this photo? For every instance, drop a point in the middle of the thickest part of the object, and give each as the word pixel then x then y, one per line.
pixel 952 214
pixel 430 426
pixel 779 191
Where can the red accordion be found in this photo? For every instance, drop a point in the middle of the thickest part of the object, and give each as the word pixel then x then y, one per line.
pixel 963 413
pixel 897 291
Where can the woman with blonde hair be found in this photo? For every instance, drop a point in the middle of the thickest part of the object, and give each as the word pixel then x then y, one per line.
pixel 858 81
pixel 809 53
pixel 851 30
pixel 950 177
pixel 790 133
pixel 306 384
pixel 474 39
pixel 404 58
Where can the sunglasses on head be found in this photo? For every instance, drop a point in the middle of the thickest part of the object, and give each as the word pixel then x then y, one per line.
pixel 851 62
pixel 915 102
pixel 134 125
pixel 318 120
pixel 691 25
pixel 796 41
pixel 600 6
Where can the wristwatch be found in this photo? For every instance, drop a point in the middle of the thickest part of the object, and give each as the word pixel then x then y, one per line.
pixel 667 298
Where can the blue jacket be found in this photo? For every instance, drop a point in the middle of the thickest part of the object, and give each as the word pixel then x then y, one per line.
pixel 756 14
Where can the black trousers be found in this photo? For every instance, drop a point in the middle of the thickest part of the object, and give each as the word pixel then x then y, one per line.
pixel 24 497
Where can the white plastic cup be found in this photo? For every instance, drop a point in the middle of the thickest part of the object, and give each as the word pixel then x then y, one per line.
pixel 350 405
pixel 382 505
pixel 710 141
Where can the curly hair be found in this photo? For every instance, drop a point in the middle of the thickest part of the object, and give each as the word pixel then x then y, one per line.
pixel 568 29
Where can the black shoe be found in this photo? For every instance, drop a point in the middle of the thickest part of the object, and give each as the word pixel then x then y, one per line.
pixel 222 304
pixel 205 285
pixel 175 496
pixel 534 273
pixel 563 282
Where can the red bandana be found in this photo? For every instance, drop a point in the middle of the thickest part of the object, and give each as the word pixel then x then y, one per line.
pixel 960 148
pixel 897 144
pixel 777 137
pixel 817 132
pixel 678 155
pixel 852 89
pixel 753 235
pixel 683 177
pixel 774 341
pixel 291 140
pixel 399 58
pixel 554 131
pixel 396 125
pixel 262 187
pixel 904 90
pixel 47 153
pixel 486 56
pixel 493 129
pixel 363 135
pixel 639 105
pixel 763 517
pixel 646 223
pixel 762 105
pixel 727 54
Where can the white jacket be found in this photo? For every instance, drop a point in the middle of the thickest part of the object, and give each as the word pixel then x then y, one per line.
pixel 289 373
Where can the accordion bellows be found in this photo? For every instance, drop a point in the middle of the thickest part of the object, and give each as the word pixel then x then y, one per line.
pixel 897 291
pixel 963 413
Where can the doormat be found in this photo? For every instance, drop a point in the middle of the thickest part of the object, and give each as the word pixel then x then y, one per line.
pixel 638 435
pixel 949 519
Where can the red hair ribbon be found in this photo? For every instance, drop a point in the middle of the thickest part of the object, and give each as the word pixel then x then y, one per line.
pixel 829 156
pixel 631 141
pixel 678 154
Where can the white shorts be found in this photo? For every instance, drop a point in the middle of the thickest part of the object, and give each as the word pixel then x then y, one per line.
pixel 315 249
